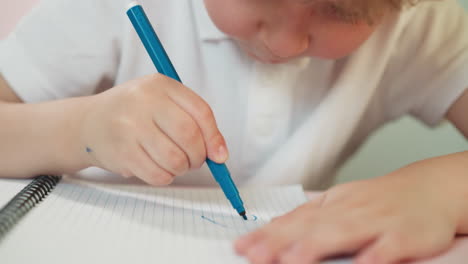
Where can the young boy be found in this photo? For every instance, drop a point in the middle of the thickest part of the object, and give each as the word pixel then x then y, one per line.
pixel 295 86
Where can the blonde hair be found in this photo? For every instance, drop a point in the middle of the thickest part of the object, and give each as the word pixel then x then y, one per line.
pixel 367 10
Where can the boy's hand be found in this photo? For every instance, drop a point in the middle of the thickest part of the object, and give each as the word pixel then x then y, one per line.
pixel 153 128
pixel 412 213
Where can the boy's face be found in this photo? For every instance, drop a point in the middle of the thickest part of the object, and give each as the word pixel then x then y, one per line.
pixel 275 31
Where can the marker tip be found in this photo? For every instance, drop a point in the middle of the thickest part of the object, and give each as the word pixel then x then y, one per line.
pixel 243 215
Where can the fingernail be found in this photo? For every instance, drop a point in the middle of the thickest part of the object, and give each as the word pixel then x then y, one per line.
pixel 222 154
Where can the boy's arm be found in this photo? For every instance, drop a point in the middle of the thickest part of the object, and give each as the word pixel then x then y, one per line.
pixel 164 130
pixel 386 219
pixel 38 138
pixel 457 114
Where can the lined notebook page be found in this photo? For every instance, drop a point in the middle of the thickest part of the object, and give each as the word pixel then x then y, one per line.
pixel 80 221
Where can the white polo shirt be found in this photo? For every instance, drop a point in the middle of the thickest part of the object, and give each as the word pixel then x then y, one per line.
pixel 289 123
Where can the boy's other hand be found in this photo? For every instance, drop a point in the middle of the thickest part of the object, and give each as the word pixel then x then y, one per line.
pixel 153 128
pixel 411 213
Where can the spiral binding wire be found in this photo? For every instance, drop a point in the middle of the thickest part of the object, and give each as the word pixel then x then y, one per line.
pixel 26 199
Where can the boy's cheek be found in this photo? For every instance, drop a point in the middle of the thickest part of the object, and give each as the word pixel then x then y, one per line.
pixel 339 41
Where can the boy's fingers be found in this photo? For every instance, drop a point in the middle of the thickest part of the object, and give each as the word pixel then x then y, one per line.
pixel 245 242
pixel 143 167
pixel 268 248
pixel 163 151
pixel 270 235
pixel 201 112
pixel 265 234
pixel 183 130
pixel 278 234
pixel 395 247
pixel 386 250
pixel 324 242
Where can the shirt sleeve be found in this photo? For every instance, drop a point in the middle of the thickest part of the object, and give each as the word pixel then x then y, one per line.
pixel 63 48
pixel 430 68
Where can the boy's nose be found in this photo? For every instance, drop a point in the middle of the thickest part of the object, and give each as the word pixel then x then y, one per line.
pixel 284 44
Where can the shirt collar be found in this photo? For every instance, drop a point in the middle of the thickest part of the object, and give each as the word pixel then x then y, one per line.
pixel 207 31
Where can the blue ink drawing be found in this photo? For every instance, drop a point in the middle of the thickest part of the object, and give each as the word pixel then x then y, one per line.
pixel 212 221
pixel 251 218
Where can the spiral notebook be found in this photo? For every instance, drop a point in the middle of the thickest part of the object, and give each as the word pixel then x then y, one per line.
pixel 13 210
pixel 79 221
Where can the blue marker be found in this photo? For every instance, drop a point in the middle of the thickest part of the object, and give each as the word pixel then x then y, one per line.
pixel 163 64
